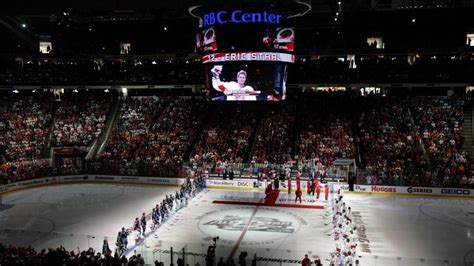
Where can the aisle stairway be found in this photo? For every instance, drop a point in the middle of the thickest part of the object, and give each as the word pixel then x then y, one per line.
pixel 112 119
pixel 47 152
pixel 253 139
pixel 468 127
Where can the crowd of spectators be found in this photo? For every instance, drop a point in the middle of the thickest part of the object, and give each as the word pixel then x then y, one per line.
pixel 397 140
pixel 325 128
pixel 389 143
pixel 27 255
pixel 80 120
pixel 416 142
pixel 381 68
pixel 100 71
pixel 24 131
pixel 328 69
pixel 440 121
pixel 136 118
pixel 273 141
pixel 156 132
pixel 226 138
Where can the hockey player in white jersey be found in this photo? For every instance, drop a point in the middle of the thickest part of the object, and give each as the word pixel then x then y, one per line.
pixel 235 91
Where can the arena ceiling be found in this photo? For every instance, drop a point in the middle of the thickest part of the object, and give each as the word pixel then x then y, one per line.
pixel 50 17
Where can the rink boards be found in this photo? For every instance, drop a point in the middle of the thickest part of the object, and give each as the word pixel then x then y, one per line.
pixel 240 184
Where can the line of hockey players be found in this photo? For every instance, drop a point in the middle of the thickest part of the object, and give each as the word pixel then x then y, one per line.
pixel 344 232
pixel 162 211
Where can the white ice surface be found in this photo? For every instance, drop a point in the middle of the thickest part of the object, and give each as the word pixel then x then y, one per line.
pixel 420 231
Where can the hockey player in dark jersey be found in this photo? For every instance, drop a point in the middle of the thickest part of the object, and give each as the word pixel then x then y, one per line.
pixel 136 224
pixel 143 223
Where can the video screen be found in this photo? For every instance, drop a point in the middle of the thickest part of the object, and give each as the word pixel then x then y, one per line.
pixel 246 81
pixel 206 40
pixel 279 39
pixel 232 38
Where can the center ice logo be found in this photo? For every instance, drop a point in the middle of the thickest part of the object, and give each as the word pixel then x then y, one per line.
pixel 262 224
pixel 266 226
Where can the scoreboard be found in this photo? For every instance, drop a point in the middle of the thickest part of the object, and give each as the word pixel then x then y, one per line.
pixel 245 51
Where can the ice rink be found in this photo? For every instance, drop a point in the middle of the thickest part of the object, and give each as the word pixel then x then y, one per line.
pixel 392 230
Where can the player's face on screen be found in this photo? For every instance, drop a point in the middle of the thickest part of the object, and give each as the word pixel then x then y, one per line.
pixel 241 79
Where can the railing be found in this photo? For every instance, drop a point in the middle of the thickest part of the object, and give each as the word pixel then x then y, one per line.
pixel 111 122
pixel 196 253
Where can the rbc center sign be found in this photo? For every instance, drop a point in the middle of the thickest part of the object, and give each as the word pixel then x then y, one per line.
pixel 239 16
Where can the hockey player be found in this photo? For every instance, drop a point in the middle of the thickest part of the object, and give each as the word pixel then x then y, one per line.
pixel 349 259
pixel 124 238
pixel 276 182
pixel 268 190
pixel 164 211
pixel 338 232
pixel 336 259
pixel 298 195
pixel 287 172
pixel 155 217
pixel 136 235
pixel 298 181
pixel 347 248
pixel 122 241
pixel 119 244
pixel 136 225
pixel 289 184
pixel 167 202
pixel 171 202
pixel 143 223
pixel 326 191
pixel 315 183
pixel 349 213
pixel 318 190
pixel 308 187
pixel 234 91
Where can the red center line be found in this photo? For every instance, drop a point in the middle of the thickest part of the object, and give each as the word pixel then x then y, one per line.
pixel 246 228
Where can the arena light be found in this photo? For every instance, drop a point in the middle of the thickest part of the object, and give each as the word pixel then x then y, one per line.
pixel 23 25
pixel 106 90
pixel 75 90
pixel 15 91
pixel 124 90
